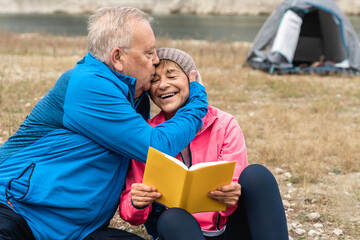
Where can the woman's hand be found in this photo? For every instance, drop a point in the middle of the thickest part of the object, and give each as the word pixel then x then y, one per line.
pixel 143 195
pixel 192 77
pixel 227 194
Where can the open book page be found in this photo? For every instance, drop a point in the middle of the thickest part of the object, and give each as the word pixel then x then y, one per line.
pixel 204 180
pixel 166 175
pixel 196 166
pixel 205 164
pixel 177 161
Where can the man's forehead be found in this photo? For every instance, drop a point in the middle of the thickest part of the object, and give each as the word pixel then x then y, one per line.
pixel 143 34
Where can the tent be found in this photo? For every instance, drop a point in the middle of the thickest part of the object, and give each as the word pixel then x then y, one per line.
pixel 306 36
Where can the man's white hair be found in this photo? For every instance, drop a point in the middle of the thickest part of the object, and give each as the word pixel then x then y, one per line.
pixel 110 27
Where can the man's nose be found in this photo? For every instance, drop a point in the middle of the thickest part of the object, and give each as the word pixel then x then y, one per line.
pixel 156 59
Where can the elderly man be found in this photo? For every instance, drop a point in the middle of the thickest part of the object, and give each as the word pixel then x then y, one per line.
pixel 62 172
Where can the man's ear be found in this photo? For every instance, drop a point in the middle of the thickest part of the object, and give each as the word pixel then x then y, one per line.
pixel 117 59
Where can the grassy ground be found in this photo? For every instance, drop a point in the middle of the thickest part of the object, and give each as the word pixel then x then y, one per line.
pixel 306 129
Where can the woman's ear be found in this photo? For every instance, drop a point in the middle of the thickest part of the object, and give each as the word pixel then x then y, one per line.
pixel 117 59
pixel 195 76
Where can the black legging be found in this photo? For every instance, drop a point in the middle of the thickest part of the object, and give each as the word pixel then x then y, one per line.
pixel 260 213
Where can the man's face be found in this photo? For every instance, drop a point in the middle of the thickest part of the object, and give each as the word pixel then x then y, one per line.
pixel 141 58
pixel 169 88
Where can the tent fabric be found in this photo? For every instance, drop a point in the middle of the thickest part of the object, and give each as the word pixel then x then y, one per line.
pixel 304 36
pixel 287 36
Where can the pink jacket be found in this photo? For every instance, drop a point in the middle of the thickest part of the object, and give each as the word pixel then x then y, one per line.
pixel 219 139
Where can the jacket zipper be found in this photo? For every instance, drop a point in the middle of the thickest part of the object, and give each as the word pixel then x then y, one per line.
pixel 8 199
pixel 8 202
pixel 217 221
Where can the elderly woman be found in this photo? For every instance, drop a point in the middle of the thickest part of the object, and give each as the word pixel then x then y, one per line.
pixel 254 206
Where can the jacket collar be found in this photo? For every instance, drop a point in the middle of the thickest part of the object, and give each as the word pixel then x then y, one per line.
pixel 208 120
pixel 129 81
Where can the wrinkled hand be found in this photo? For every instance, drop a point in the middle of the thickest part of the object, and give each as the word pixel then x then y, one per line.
pixel 227 194
pixel 143 195
pixel 192 77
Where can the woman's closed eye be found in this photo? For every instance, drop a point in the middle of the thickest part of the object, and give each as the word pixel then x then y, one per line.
pixel 171 76
pixel 155 79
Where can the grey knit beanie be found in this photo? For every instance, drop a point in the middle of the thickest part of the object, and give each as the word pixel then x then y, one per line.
pixel 181 58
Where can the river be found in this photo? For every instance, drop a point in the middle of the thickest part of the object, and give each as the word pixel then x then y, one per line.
pixel 213 28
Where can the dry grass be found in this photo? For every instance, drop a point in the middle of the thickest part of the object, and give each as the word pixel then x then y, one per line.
pixel 309 126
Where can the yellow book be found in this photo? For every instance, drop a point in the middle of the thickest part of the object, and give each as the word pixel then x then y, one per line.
pixel 183 187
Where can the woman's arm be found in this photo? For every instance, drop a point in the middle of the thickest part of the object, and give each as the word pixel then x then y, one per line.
pixel 233 149
pixel 127 210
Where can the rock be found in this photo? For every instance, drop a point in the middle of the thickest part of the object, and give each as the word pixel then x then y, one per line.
pixel 318 225
pixel 313 216
pixel 286 204
pixel 296 224
pixel 338 232
pixel 287 174
pixel 291 190
pixel 313 233
pixel 299 231
pixel 287 196
pixel 279 170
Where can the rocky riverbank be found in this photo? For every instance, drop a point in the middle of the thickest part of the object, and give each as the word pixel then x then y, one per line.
pixel 220 7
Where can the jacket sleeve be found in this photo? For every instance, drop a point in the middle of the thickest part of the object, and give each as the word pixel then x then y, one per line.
pixel 234 149
pixel 99 109
pixel 127 211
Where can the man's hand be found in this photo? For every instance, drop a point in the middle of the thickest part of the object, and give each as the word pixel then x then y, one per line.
pixel 227 194
pixel 143 195
pixel 192 77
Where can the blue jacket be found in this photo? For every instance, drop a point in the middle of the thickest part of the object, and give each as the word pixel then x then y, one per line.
pixel 65 167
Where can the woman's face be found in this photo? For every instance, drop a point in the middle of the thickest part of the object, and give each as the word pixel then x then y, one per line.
pixel 169 88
